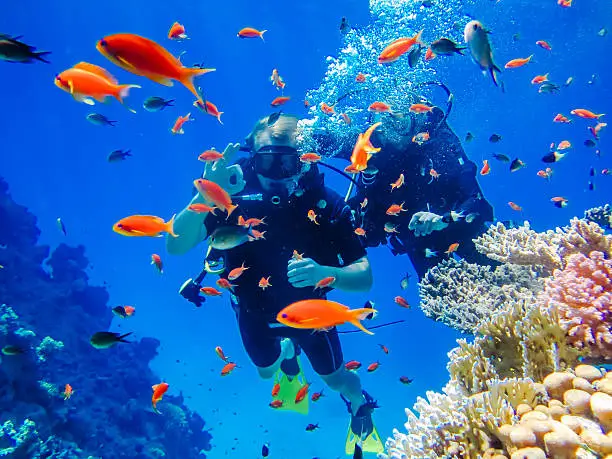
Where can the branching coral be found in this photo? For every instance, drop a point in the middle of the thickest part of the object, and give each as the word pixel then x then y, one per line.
pixel 583 237
pixel 581 294
pixel 601 215
pixel 46 347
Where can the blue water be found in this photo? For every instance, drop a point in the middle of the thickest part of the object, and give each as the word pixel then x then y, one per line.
pixel 55 163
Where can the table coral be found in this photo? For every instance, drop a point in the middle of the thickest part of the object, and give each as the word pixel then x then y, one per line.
pixel 581 294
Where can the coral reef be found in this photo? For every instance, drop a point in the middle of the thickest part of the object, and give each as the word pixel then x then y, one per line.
pixel 49 317
pixel 518 389
pixel 601 215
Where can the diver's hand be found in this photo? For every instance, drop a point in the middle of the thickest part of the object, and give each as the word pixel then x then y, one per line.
pixel 229 178
pixel 424 223
pixel 307 272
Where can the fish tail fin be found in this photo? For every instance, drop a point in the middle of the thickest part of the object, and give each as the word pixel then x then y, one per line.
pixel 170 227
pixel 188 75
pixel 359 314
pixel 219 117
pixel 122 338
pixel 169 103
pixel 495 71
pixel 460 50
pixel 123 92
pixel 417 37
pixel 230 209
pixel 600 115
pixel 40 56
pixel 261 35
pixel 155 410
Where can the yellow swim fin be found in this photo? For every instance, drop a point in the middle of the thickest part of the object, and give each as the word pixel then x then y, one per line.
pixel 288 391
pixel 372 444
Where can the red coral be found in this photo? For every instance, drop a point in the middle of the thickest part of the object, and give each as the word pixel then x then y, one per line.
pixel 582 295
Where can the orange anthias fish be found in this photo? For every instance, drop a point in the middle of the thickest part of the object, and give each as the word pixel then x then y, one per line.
pixel 228 368
pixel 297 256
pixel 249 32
pixel 312 216
pixel 516 63
pixel 515 206
pixel 157 262
pixel 539 79
pixel 317 314
pixel 276 404
pixel 360 78
pixel 221 354
pixel 485 167
pixel 209 108
pixel 68 391
pixel 398 183
pixel 544 44
pixel 144 225
pixel 325 282
pixel 177 32
pixel 201 208
pixel 420 108
pixel 302 393
pixel 379 107
pixel 384 348
pixel 429 55
pixel 401 302
pixel 360 231
pixel 86 82
pixel 236 272
pixel 129 310
pixel 158 393
pixel 362 151
pixel 144 57
pixel 224 283
pixel 264 283
pixel 398 47
pixel 327 109
pixel 584 113
pixel 564 145
pixel 215 194
pixel 177 128
pixel 421 138
pixel 252 222
pixel 280 100
pixel 310 158
pixel 275 389
pixel 564 3
pixel 316 396
pixel 210 291
pixel 452 248
pixel 560 118
pixel 210 156
pixel 277 80
pixel 373 367
pixel 547 173
pixel 395 209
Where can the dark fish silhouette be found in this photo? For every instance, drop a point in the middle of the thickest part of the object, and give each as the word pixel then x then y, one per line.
pixel 13 50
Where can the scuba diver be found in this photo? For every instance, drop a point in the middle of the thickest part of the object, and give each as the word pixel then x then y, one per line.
pixel 309 236
pixel 440 194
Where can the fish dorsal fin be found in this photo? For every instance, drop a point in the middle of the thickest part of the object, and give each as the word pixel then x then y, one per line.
pixel 96 70
pixel 155 387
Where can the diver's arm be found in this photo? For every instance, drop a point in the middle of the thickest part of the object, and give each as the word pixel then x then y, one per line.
pixel 356 277
pixel 190 229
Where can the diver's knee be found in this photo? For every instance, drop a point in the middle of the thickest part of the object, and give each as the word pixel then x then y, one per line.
pixel 266 372
pixel 336 380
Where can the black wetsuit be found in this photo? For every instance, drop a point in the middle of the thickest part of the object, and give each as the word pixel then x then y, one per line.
pixel 287 228
pixel 456 189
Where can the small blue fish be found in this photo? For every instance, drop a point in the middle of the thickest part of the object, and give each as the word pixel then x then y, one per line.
pixel 61 226
pixel 100 120
pixel 156 104
pixel 118 155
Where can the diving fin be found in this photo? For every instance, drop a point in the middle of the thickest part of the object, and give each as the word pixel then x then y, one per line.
pixel 371 444
pixel 289 389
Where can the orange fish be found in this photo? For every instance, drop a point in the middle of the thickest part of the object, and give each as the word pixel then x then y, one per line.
pixel 249 32
pixel 379 107
pixel 360 232
pixel 210 291
pixel 258 234
pixel 564 3
pixel 221 354
pixel 280 100
pixel 228 368
pixel 129 310
pixel 224 283
pixel 559 201
pixel 178 124
pixel 158 393
pixel 452 248
pixel 68 391
pixel 398 47
pixel 264 283
pixel 516 63
pixel 543 44
pixel 209 108
pixel 302 393
pixel 346 118
pixel 373 367
pixel 177 32
pixel 215 194
pixel 384 348
pixel 485 167
pixel 429 55
pixel 398 183
pixel 327 109
pixel 421 138
pixel 310 158
pixel 144 225
pixel 402 302
pixel 515 206
pixel 352 365
pixel 297 256
pixel 539 79
pixel 559 118
pixel 360 78
pixel 598 127
pixel 86 82
pixel 277 80
pixel 362 151
pixel 210 156
pixel 363 204
pixel 252 222
pixel 313 217
pixel 317 314
pixel 420 108
pixel 434 174
pixel 236 272
pixel 584 113
pixel 201 208
pixel 325 282
pixel 275 389
pixel 564 145
pixel 395 209
pixel 276 404
pixel 547 173
pixel 316 396
pixel 146 58
pixel 157 262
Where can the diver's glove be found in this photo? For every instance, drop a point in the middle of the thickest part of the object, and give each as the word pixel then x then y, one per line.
pixel 230 178
pixel 424 223
pixel 307 272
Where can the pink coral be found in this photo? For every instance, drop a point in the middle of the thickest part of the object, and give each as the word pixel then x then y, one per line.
pixel 582 295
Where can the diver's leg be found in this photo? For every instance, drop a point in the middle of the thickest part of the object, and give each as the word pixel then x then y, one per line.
pixel 286 353
pixel 348 384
